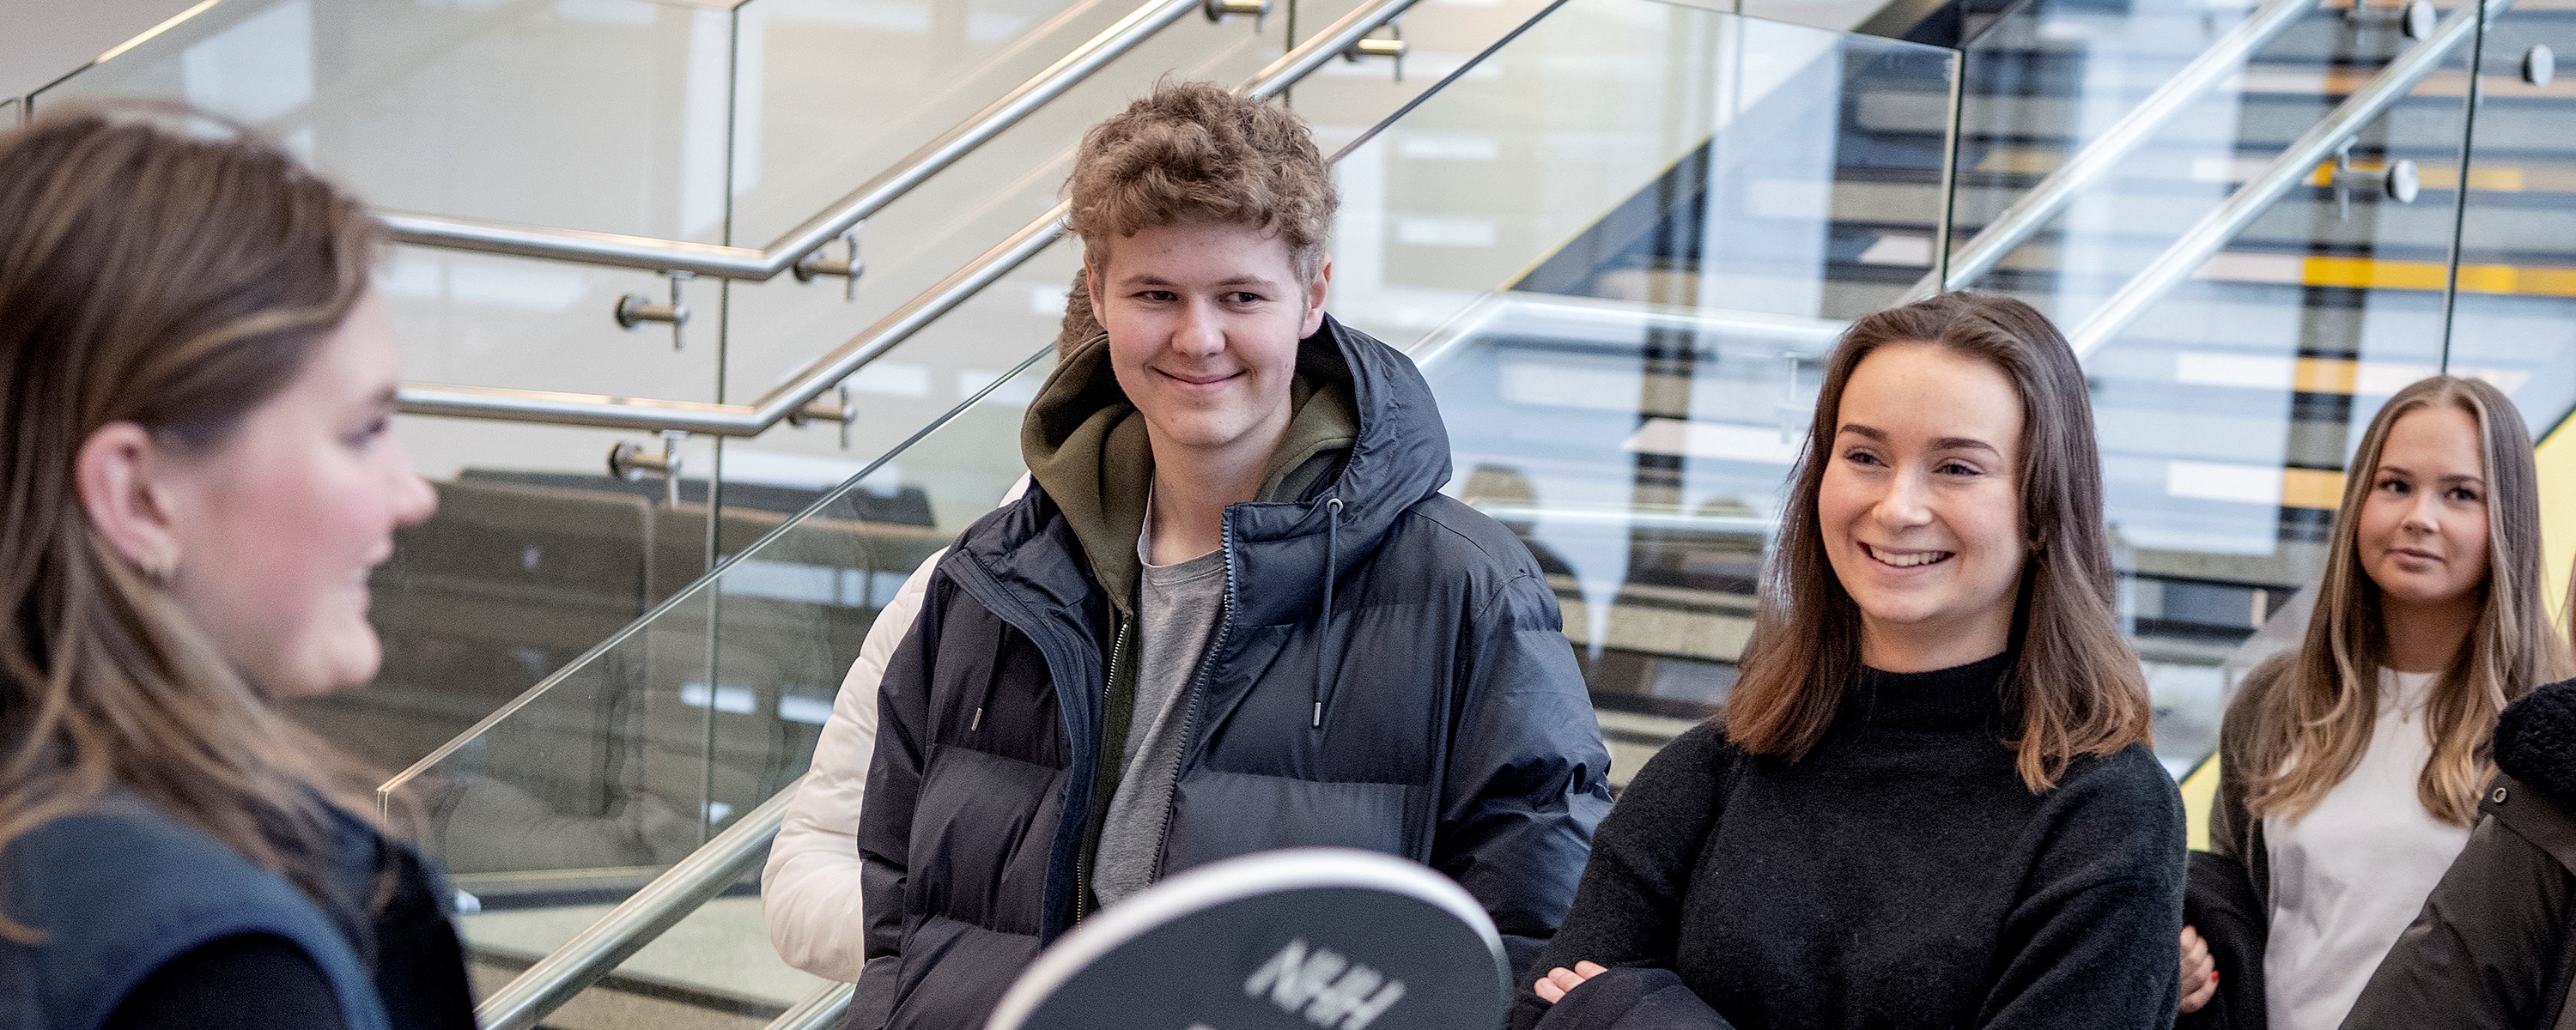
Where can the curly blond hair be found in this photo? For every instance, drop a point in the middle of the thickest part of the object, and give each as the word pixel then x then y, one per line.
pixel 1194 152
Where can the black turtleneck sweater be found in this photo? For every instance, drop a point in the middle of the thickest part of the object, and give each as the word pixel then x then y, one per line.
pixel 1900 876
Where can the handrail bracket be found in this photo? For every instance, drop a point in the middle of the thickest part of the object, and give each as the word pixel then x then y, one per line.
pixel 847 268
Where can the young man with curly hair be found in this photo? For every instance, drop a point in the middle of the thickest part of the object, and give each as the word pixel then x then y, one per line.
pixel 1234 613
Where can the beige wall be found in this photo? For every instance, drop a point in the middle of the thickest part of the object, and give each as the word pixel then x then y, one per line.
pixel 41 40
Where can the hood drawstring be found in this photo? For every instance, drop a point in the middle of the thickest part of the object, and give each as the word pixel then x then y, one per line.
pixel 1324 635
pixel 990 682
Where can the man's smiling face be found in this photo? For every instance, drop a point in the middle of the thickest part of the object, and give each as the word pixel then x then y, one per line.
pixel 1204 320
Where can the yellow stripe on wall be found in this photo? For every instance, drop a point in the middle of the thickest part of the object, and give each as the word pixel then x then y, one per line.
pixel 2311 488
pixel 2199 795
pixel 2485 178
pixel 2367 273
pixel 2556 456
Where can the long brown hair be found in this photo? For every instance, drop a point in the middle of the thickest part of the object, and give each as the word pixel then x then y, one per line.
pixel 167 269
pixel 2318 704
pixel 2075 686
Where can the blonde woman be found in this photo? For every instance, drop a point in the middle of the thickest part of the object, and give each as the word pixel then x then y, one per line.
pixel 196 382
pixel 2353 765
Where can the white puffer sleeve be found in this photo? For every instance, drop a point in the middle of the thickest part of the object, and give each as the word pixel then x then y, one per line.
pixel 809 890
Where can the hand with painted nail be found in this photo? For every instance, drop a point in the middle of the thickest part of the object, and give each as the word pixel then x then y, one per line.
pixel 2199 972
pixel 1552 987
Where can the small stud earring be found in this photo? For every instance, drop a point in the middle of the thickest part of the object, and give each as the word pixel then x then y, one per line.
pixel 162 568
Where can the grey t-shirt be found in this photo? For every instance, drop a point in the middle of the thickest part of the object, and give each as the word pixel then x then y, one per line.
pixel 1177 607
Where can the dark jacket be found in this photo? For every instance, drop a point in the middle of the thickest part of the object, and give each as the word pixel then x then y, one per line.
pixel 1898 875
pixel 121 889
pixel 1390 673
pixel 2492 948
pixel 2229 899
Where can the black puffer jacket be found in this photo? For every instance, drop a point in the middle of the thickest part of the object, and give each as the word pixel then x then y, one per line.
pixel 1454 726
pixel 2495 946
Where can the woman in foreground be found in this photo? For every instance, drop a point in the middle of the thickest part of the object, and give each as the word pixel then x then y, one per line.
pixel 195 388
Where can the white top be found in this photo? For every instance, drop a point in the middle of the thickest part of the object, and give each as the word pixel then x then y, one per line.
pixel 2350 875
pixel 809 890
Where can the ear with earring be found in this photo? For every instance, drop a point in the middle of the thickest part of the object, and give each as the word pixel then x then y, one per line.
pixel 161 568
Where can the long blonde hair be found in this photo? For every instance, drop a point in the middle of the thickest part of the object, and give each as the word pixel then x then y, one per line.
pixel 2075 687
pixel 164 268
pixel 2319 703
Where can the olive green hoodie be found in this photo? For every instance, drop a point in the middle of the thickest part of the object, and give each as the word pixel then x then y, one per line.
pixel 1086 445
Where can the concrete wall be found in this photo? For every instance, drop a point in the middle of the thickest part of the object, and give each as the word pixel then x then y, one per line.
pixel 41 40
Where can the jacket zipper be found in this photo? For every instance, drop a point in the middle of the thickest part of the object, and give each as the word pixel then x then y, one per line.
pixel 1190 711
pixel 1082 863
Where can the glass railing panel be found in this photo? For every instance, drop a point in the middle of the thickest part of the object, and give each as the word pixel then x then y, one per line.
pixel 485 320
pixel 2229 409
pixel 593 782
pixel 830 93
pixel 590 114
pixel 2043 78
pixel 2229 406
pixel 2122 223
pixel 2514 316
pixel 698 974
pixel 776 327
pixel 1617 249
pixel 1641 452
pixel 1692 162
pixel 2517 273
pixel 1687 157
pixel 534 556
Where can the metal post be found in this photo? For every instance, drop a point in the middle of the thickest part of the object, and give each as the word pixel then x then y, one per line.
pixel 2460 190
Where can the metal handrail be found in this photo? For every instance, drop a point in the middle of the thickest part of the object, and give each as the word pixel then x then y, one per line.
pixel 2295 165
pixel 660 255
pixel 2026 215
pixel 819 376
pixel 821 1009
pixel 634 923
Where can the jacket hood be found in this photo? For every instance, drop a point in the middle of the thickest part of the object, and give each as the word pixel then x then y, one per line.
pixel 1364 443
pixel 2535 742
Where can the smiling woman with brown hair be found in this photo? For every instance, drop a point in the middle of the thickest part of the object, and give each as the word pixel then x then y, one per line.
pixel 196 382
pixel 1929 802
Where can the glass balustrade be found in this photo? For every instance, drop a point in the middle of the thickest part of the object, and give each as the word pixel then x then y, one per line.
pixel 1622 277
pixel 2042 79
pixel 2514 306
pixel 2123 220
pixel 761 113
pixel 710 122
pixel 773 329
pixel 2233 379
pixel 573 796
